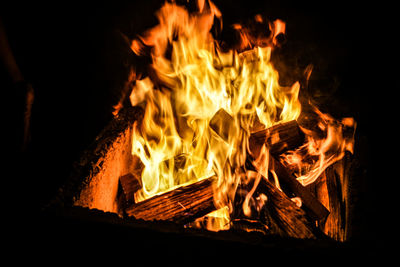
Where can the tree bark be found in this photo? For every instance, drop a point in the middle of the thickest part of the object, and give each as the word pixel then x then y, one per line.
pixel 130 184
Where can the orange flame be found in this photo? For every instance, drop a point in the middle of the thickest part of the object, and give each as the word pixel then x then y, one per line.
pixel 194 80
pixel 322 152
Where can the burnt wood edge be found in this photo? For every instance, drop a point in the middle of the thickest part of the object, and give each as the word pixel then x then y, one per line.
pixel 86 166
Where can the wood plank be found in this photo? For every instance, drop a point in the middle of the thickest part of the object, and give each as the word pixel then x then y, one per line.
pixel 278 138
pixel 314 208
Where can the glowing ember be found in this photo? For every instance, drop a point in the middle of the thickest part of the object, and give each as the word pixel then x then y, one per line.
pixel 202 103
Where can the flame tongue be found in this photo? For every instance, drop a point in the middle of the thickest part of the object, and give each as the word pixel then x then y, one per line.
pixel 321 150
pixel 203 102
pixel 198 82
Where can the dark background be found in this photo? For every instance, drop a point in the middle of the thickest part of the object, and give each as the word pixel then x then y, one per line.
pixel 74 56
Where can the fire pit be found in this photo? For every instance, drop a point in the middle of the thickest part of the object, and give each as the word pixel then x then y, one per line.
pixel 213 144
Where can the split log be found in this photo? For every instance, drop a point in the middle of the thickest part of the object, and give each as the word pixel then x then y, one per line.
pixel 288 181
pixel 289 218
pixel 278 213
pixel 181 205
pixel 130 184
pixel 278 138
pixel 331 189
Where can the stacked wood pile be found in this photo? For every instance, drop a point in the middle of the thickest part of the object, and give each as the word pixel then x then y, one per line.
pixel 322 212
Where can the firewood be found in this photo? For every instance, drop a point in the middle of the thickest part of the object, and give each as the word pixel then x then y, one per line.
pixel 335 225
pixel 289 218
pixel 130 184
pixel 181 205
pixel 278 138
pixel 278 213
pixel 288 181
pixel 331 189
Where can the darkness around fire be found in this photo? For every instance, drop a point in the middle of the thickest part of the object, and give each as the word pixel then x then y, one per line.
pixel 76 59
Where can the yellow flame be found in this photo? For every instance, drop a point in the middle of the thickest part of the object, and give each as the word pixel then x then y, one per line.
pixel 197 80
pixel 197 84
pixel 322 151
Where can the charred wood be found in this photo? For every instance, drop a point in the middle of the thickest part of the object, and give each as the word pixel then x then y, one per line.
pixel 273 209
pixel 278 138
pixel 181 205
pixel 129 184
pixel 331 189
pixel 314 208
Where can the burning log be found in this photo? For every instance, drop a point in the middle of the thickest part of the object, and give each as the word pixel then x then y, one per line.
pixel 278 213
pixel 314 208
pixel 289 218
pixel 130 184
pixel 335 225
pixel 181 205
pixel 332 190
pixel 278 138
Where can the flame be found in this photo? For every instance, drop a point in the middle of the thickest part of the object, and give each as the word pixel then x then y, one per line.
pixel 196 81
pixel 311 159
pixel 197 84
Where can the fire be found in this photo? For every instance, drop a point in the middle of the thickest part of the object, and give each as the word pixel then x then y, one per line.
pixel 201 103
pixel 319 152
